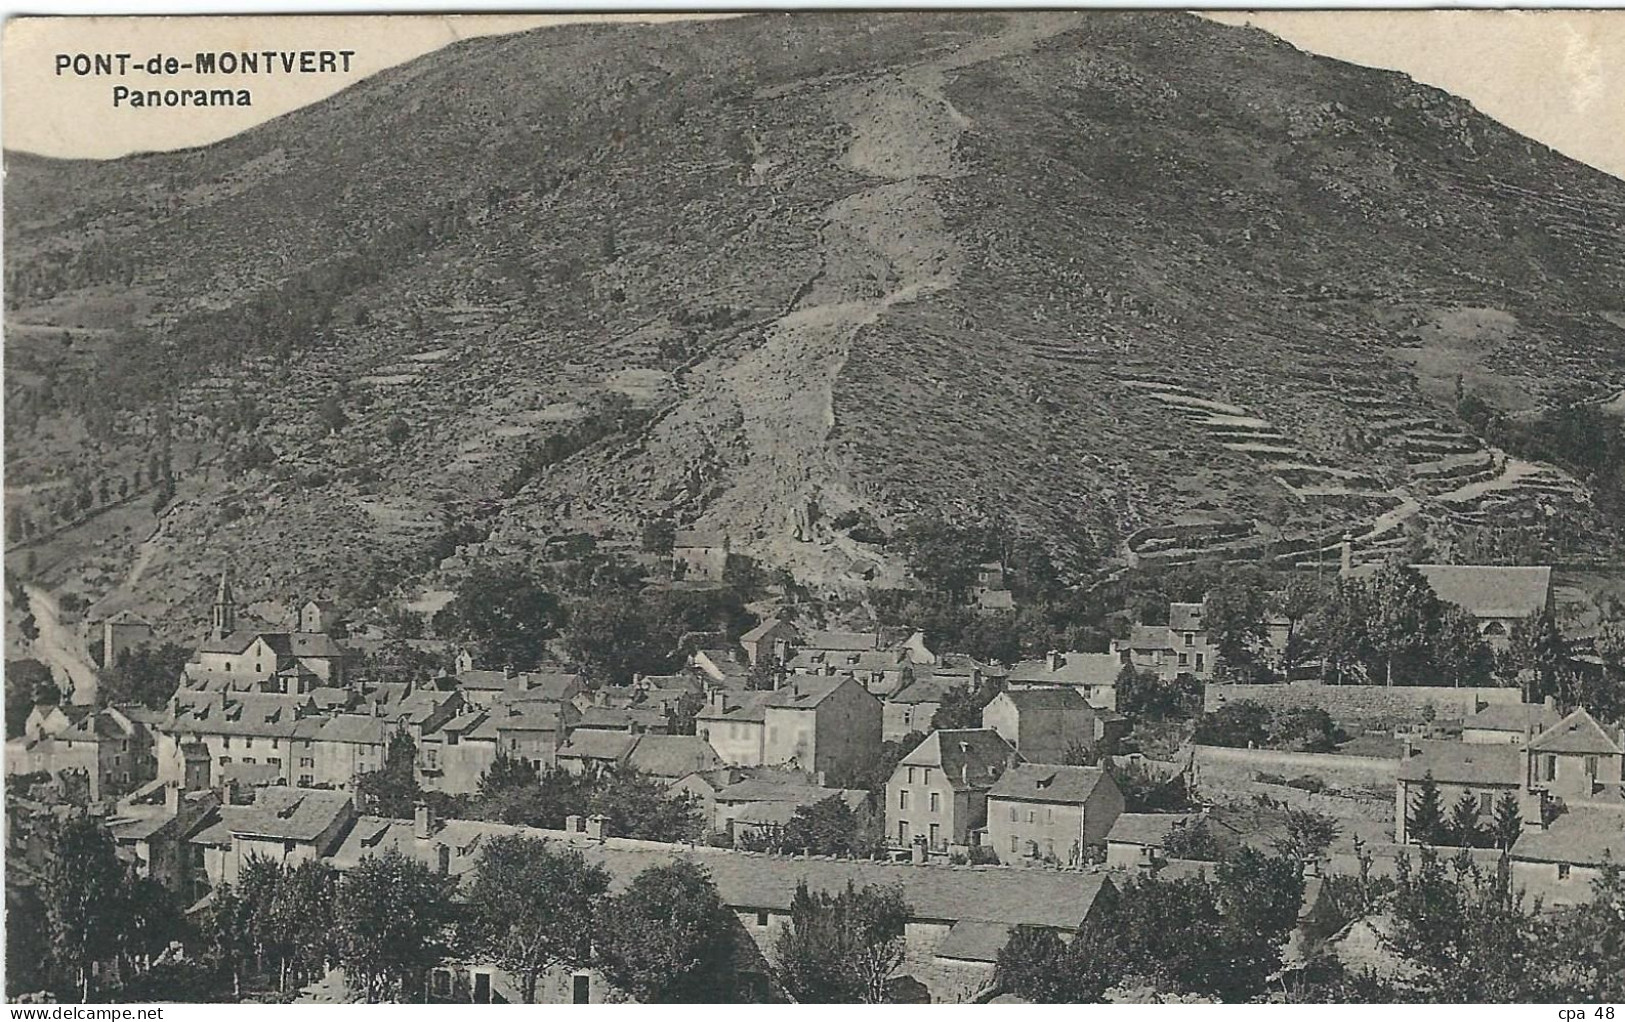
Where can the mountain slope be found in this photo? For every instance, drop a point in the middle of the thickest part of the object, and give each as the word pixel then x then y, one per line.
pixel 1146 286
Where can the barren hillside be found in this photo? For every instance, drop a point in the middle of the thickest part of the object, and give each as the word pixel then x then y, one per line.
pixel 1146 286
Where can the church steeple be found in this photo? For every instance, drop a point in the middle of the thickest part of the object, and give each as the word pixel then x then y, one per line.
pixel 225 608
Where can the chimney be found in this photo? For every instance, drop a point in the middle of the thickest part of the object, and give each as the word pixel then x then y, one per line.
pixel 1550 702
pixel 443 858
pixel 597 826
pixel 1410 747
pixel 1348 553
pixel 572 824
pixel 423 826
pixel 507 672
pixel 172 800
pixel 1053 661
pixel 719 700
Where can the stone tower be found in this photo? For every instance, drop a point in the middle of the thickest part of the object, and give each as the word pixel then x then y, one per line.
pixel 225 608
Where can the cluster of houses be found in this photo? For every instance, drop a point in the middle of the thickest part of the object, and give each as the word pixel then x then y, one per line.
pixel 258 752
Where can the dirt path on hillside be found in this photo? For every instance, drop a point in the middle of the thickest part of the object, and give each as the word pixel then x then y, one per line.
pixel 58 647
pixel 882 246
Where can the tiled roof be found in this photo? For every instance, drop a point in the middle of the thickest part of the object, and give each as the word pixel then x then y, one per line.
pixel 767 625
pixel 1578 733
pixel 1147 828
pixel 484 681
pixel 763 789
pixel 1149 637
pixel 356 728
pixel 1583 836
pixel 1031 782
pixel 993 894
pixel 972 758
pixel 1463 763
pixel 620 718
pixel 315 644
pixel 529 717
pixel 1490 590
pixel 846 662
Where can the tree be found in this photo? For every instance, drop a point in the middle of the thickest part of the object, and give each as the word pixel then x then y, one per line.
pixel 1459 651
pixel 1194 840
pixel 391 915
pixel 1239 725
pixel 1259 897
pixel 1308 835
pixel 530 908
pixel 331 414
pixel 147 675
pixel 1233 616
pixel 1537 647
pixel 82 881
pixel 962 705
pixel 1469 935
pixel 841 948
pixel 397 431
pixel 1404 617
pixel 1424 818
pixel 28 684
pixel 827 827
pixel 1507 824
pixel 667 937
pixel 1591 943
pixel 611 634
pixel 224 928
pixel 506 772
pixel 392 790
pixel 1033 966
pixel 1463 827
pixel 504 614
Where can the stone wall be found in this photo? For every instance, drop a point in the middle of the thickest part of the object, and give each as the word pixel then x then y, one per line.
pixel 1362 705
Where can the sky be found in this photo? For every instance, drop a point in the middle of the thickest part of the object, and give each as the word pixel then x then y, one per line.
pixel 1555 76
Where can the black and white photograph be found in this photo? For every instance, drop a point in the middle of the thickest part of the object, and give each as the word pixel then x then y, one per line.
pixel 945 506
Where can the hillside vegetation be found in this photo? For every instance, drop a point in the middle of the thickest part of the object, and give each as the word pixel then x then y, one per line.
pixel 1141 286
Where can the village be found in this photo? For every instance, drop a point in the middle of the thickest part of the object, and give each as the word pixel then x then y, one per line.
pixel 981 808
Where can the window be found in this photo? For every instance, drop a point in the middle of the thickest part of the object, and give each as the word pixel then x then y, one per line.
pixel 1032 816
pixel 911 775
pixel 250 760
pixel 307 761
pixel 761 919
pixel 1012 814
pixel 902 832
pixel 936 802
pixel 936 836
pixel 580 988
pixel 1485 804
pixel 273 743
pixel 1591 768
pixel 305 780
pixel 902 799
pixel 226 742
pixel 1015 844
pixel 442 982
pixel 1562 871
pixel 927 777
pixel 1190 638
pixel 275 761
pixel 1198 661
pixel 289 846
pixel 1049 815
pixel 225 761
pixel 1548 768
pixel 249 742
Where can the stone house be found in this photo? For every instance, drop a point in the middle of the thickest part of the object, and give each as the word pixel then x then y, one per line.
pixel 1093 675
pixel 1051 812
pixel 699 554
pixel 1043 724
pixel 937 795
pixel 123 633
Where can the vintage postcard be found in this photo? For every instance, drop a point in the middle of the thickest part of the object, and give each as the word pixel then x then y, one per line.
pixel 983 506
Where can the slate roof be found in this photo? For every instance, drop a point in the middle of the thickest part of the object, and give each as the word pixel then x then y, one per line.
pixel 845 662
pixel 1029 782
pixel 620 718
pixel 1149 637
pixel 842 641
pixel 974 940
pixel 672 755
pixel 1514 717
pixel 253 714
pixel 540 716
pixel 1185 617
pixel 1581 836
pixel 745 881
pixel 1147 828
pixel 1577 734
pixel 805 691
pixel 970 758
pixel 750 706
pixel 288 814
pixel 926 688
pixel 597 745
pixel 356 728
pixel 1044 700
pixel 767 625
pixel 1462 763
pixel 1490 590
